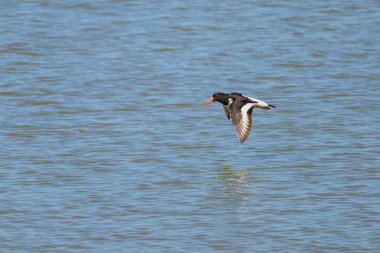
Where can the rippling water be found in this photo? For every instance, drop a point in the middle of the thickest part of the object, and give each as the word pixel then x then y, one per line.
pixel 104 147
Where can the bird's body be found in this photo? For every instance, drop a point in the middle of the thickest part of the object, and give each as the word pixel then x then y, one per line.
pixel 238 107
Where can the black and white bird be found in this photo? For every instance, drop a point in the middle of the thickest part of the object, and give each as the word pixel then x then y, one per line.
pixel 238 107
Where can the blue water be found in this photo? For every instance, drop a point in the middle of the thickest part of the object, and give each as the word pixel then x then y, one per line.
pixel 105 148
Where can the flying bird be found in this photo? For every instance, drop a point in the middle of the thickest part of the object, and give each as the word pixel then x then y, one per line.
pixel 238 107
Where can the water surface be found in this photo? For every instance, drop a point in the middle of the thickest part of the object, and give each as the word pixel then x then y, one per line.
pixel 104 147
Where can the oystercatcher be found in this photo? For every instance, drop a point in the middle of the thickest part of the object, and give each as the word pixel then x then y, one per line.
pixel 238 107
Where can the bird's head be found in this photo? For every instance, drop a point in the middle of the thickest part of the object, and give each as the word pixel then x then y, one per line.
pixel 218 96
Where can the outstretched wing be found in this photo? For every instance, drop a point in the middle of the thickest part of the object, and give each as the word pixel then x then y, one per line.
pixel 241 114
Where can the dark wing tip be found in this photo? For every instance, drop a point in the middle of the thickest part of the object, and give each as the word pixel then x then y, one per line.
pixel 242 130
pixel 243 136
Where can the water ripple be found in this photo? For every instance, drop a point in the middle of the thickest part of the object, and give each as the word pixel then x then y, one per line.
pixel 105 146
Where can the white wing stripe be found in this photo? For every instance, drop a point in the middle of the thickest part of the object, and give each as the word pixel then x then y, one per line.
pixel 245 123
pixel 253 99
pixel 258 101
pixel 246 107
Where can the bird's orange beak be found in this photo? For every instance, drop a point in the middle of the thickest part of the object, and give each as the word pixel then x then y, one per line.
pixel 208 101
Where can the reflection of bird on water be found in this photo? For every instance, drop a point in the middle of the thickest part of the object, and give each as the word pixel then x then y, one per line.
pixel 238 179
